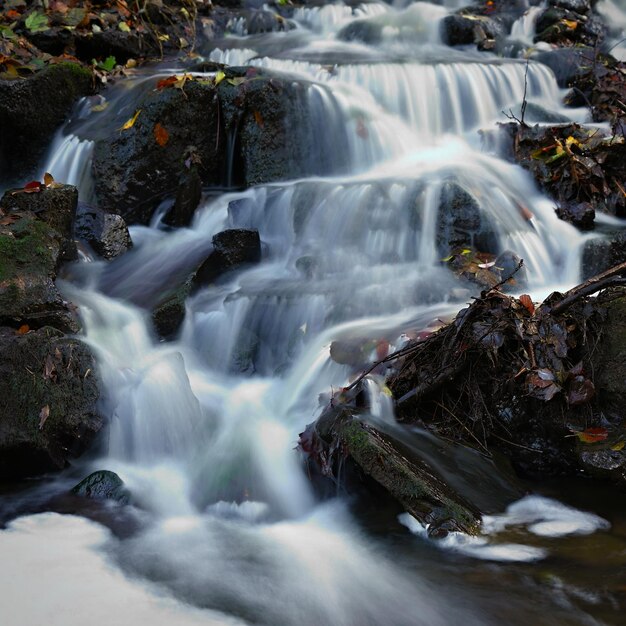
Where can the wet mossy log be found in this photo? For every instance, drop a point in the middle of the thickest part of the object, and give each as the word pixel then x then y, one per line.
pixel 342 435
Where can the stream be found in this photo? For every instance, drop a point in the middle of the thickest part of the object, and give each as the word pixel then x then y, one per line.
pixel 225 526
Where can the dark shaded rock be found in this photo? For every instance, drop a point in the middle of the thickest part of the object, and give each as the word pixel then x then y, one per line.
pixel 339 436
pixel 56 206
pixel 253 128
pixel 30 254
pixel 231 249
pixel 106 233
pixel 54 41
pixel 169 314
pixel 188 198
pixel 579 6
pixel 601 254
pixel 460 222
pixel 48 396
pixel 263 21
pixel 460 30
pixel 535 113
pixel 113 42
pixel 610 355
pixel 133 173
pixel 580 214
pixel 607 464
pixel 567 64
pixel 567 27
pixel 31 110
pixel 366 31
pixel 508 264
pixel 102 485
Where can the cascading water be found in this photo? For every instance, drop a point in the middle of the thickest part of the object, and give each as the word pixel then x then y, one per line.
pixel 203 428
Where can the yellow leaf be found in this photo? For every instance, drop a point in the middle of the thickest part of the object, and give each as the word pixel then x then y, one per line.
pixel 164 37
pixel 48 179
pixel 466 251
pixel 124 27
pixel 97 108
pixel 131 122
pixel 571 24
pixel 219 77
pixel 618 446
pixel 387 391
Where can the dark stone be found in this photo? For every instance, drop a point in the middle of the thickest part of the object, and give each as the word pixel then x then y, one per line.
pixel 102 485
pixel 361 30
pixel 460 222
pixel 54 41
pixel 253 128
pixel 580 214
pixel 460 30
pixel 31 251
pixel 231 250
pixel 552 26
pixel 106 233
pixel 265 22
pixel 112 42
pixel 601 254
pixel 56 206
pixel 42 369
pixel 578 6
pixel 133 173
pixel 188 198
pixel 169 314
pixel 508 264
pixel 31 110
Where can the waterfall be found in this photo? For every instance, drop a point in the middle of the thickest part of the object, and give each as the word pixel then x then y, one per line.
pixel 203 428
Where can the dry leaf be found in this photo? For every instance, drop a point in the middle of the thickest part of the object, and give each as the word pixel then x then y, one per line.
pixel 592 435
pixel 258 119
pixel 526 300
pixel 43 416
pixel 23 329
pixel 160 134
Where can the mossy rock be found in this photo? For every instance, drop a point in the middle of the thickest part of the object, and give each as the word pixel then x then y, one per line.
pixel 407 478
pixel 103 485
pixel 48 396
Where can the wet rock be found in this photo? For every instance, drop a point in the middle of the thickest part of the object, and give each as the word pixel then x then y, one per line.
pixel 508 264
pixel 106 233
pixel 607 464
pixel 460 222
pixel 603 253
pixel 48 396
pixel 565 25
pixel 31 251
pixel 339 436
pixel 580 214
pixel 231 250
pixel 188 197
pixel 31 110
pixel 133 173
pixel 461 30
pixel 169 314
pixel 567 64
pixel 610 355
pixel 250 129
pixel 102 485
pixel 366 31
pixel 56 206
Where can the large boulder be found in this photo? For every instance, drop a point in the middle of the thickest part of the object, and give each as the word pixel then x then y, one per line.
pixel 48 384
pixel 251 128
pixel 34 241
pixel 102 485
pixel 31 110
pixel 48 397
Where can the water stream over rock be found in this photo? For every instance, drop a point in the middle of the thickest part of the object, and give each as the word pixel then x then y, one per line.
pixel 203 428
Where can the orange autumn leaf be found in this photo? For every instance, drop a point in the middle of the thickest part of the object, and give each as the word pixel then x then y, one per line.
pixel 258 118
pixel 166 82
pixel 592 435
pixel 526 300
pixel 160 134
pixel 23 329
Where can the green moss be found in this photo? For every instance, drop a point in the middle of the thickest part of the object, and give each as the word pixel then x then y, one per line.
pixel 27 250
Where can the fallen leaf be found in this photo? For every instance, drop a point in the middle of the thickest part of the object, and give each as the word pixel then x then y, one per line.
pixel 48 179
pixel 526 300
pixel 166 82
pixel 160 134
pixel 43 416
pixel 258 118
pixel 580 391
pixel 23 329
pixel 219 77
pixel 131 122
pixel 618 446
pixel 49 368
pixel 592 435
pixel 237 81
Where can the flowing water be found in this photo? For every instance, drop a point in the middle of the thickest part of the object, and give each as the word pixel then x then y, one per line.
pixel 225 526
